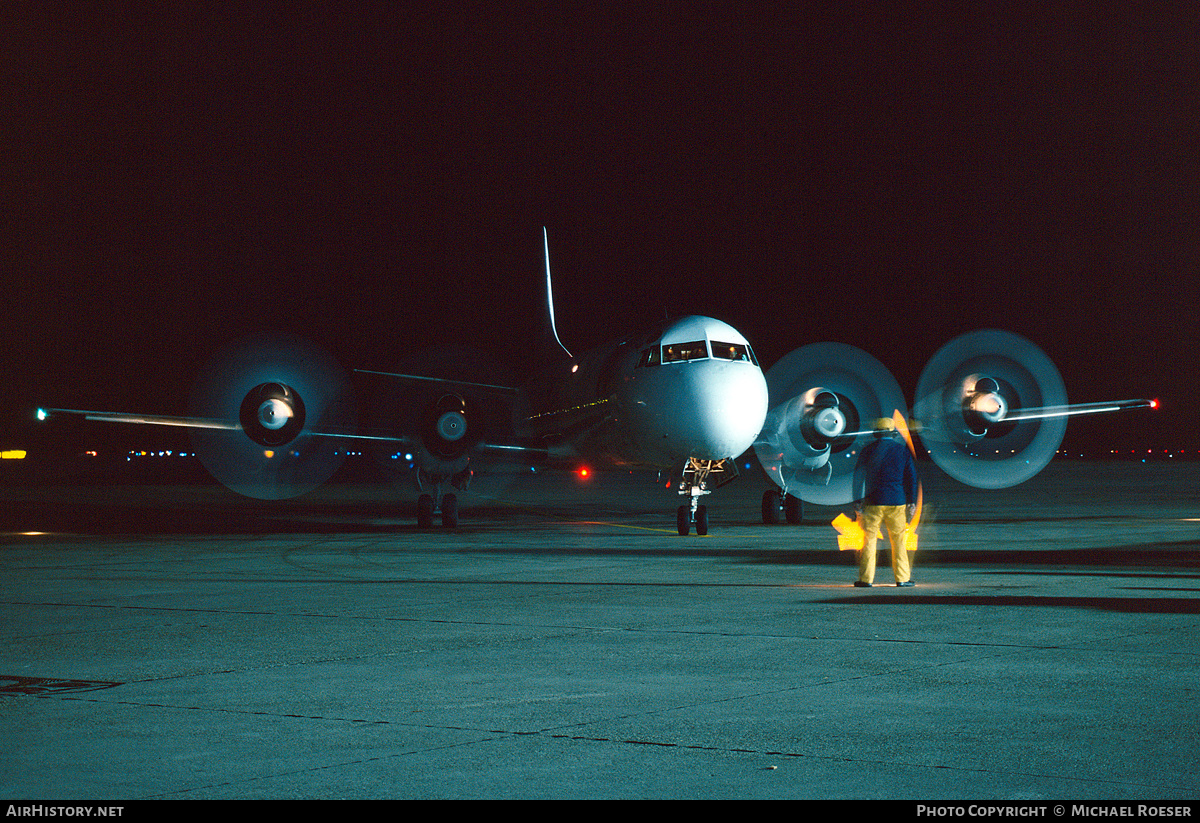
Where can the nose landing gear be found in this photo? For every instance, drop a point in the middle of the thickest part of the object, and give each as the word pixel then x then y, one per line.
pixel 700 477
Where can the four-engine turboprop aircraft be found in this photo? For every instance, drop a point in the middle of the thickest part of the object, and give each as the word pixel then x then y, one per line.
pixel 271 417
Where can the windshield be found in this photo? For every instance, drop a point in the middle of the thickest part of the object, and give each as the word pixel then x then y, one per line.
pixel 678 352
pixel 732 351
pixel 695 350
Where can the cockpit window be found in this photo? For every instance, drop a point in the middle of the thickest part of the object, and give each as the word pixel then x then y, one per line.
pixel 649 357
pixel 678 352
pixel 695 350
pixel 732 351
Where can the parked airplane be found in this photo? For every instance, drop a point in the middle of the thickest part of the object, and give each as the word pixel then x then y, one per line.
pixel 686 395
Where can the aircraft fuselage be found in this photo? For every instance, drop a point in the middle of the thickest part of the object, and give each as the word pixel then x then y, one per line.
pixel 688 388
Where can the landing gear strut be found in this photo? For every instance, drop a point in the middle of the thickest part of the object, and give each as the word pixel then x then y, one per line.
pixel 698 476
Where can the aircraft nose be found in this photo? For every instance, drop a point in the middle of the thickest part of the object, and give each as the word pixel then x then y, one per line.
pixel 724 410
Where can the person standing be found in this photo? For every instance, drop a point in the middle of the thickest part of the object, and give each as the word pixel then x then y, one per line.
pixel 885 486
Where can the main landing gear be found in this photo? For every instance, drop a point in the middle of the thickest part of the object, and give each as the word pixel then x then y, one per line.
pixel 434 504
pixel 428 509
pixel 700 477
pixel 778 506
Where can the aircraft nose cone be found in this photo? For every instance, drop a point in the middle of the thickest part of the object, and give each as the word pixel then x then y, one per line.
pixel 724 409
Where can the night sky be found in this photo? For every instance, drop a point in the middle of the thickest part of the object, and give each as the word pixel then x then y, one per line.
pixel 378 181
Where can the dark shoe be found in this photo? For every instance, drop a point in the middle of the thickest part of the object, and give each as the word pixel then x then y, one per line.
pixel 906 583
pixel 862 585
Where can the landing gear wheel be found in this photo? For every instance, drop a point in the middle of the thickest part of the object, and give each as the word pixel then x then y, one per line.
pixel 770 507
pixel 776 505
pixel 793 509
pixel 450 511
pixel 425 511
pixel 683 519
pixel 702 520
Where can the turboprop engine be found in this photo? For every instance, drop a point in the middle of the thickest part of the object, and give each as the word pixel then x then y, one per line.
pixel 822 399
pixel 445 438
pixel 287 404
pixel 434 410
pixel 990 409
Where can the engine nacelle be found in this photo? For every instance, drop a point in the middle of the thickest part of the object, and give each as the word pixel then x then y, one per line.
pixel 444 428
pixel 272 414
pixel 802 429
pixel 983 406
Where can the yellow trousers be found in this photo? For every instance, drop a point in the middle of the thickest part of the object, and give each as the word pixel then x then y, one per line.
pixel 893 519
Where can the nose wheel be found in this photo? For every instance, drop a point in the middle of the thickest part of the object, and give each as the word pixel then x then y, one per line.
pixel 686 516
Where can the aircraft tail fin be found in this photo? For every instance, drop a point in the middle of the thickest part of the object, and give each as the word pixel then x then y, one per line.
pixel 550 293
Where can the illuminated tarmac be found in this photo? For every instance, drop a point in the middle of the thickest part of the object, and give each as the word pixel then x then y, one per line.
pixel 178 642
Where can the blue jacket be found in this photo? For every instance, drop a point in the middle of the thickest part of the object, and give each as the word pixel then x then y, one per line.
pixel 886 474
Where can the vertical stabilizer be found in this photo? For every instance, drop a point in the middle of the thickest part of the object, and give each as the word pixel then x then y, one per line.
pixel 550 293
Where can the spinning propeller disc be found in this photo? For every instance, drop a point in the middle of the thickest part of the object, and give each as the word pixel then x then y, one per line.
pixel 287 469
pixel 1001 455
pixel 866 391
